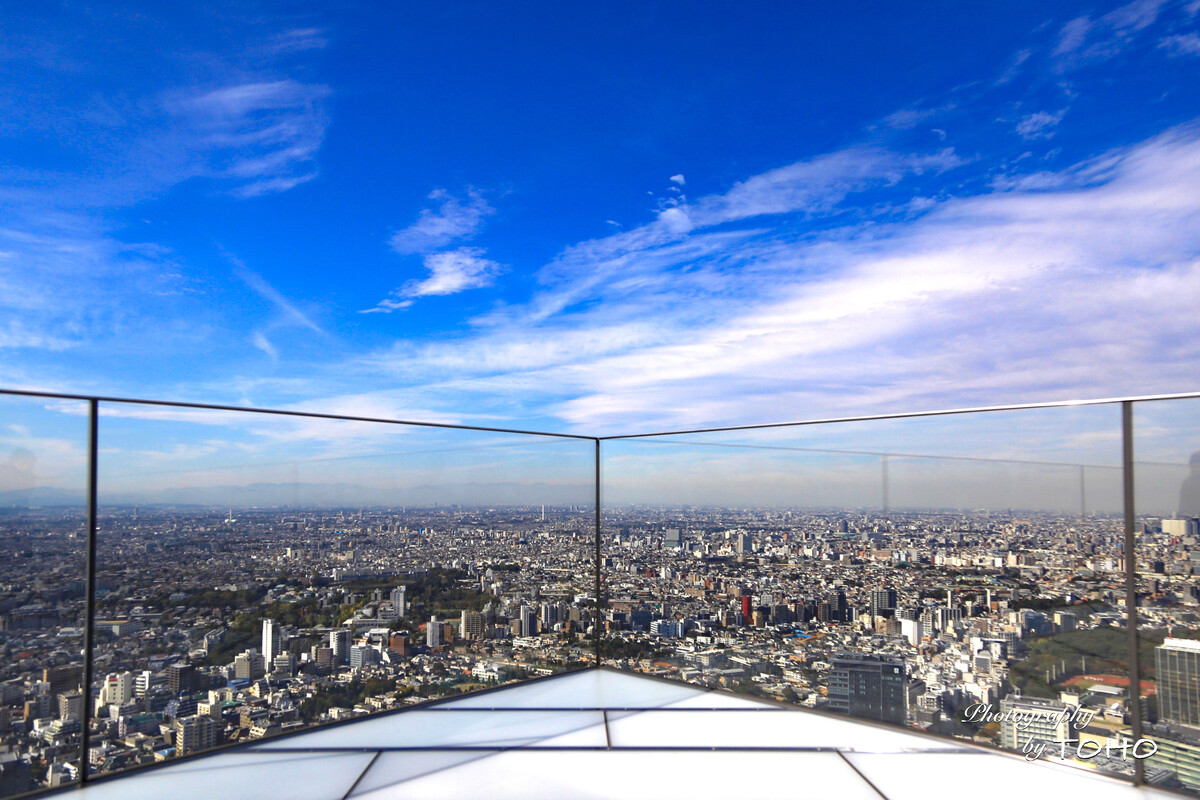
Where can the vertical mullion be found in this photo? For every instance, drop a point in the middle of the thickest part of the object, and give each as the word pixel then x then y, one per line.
pixel 596 618
pixel 1135 671
pixel 89 637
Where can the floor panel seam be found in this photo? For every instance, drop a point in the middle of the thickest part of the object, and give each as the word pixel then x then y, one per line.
pixel 362 775
pixel 858 772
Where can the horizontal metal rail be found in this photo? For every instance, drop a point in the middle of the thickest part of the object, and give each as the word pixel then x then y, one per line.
pixel 287 413
pixel 910 415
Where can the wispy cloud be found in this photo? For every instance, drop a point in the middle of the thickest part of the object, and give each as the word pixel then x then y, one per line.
pixel 453 220
pixel 297 40
pixel 1184 44
pixel 1040 125
pixel 1086 41
pixel 260 136
pixel 907 118
pixel 450 272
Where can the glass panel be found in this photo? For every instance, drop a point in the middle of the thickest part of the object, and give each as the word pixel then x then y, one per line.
pixel 319 776
pixel 43 552
pixel 961 574
pixel 764 729
pixel 419 728
pixel 905 777
pixel 591 689
pixel 263 573
pixel 392 769
pixel 1166 450
pixel 524 775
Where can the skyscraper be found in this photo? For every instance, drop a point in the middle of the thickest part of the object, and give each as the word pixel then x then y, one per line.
pixel 270 641
pixel 433 633
pixel 1177 665
pixel 871 687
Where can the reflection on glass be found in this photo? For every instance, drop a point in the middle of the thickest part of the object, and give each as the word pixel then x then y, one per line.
pixel 1167 491
pixel 959 574
pixel 43 469
pixel 261 574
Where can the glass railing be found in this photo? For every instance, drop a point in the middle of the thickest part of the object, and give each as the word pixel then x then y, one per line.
pixel 963 574
pixel 254 573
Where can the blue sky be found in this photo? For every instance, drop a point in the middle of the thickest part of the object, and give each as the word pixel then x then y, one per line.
pixel 603 218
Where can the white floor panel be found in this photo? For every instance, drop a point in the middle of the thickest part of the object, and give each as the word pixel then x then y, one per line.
pixel 592 688
pixel 420 728
pixel 984 776
pixel 523 775
pixel 317 777
pixel 763 729
pixel 391 769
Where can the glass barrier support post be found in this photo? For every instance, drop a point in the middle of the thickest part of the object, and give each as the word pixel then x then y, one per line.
pixel 596 619
pixel 89 589
pixel 1131 603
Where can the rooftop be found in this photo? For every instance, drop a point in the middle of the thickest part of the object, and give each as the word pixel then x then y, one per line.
pixel 604 733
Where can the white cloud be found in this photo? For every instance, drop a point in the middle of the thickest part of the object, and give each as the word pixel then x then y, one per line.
pixel 1071 37
pixel 263 343
pixel 679 179
pixel 454 220
pixel 297 40
pixel 450 272
pixel 1186 44
pixel 1083 40
pixel 288 311
pixel 1011 296
pixel 262 136
pixel 1039 125
pixel 907 118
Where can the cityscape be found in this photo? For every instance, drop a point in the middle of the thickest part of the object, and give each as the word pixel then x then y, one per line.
pixel 222 625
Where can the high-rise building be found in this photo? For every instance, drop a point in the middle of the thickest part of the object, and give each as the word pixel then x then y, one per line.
pixel 471 626
pixel 871 687
pixel 433 633
pixel 249 665
pixel 118 689
pixel 363 655
pixel 882 600
pixel 399 602
pixel 528 618
pixel 181 678
pixel 144 681
pixel 194 733
pixel 339 641
pixel 912 630
pixel 1177 666
pixel 70 706
pixel 63 679
pixel 270 641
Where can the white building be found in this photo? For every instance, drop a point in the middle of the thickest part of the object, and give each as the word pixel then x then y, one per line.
pixel 270 640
